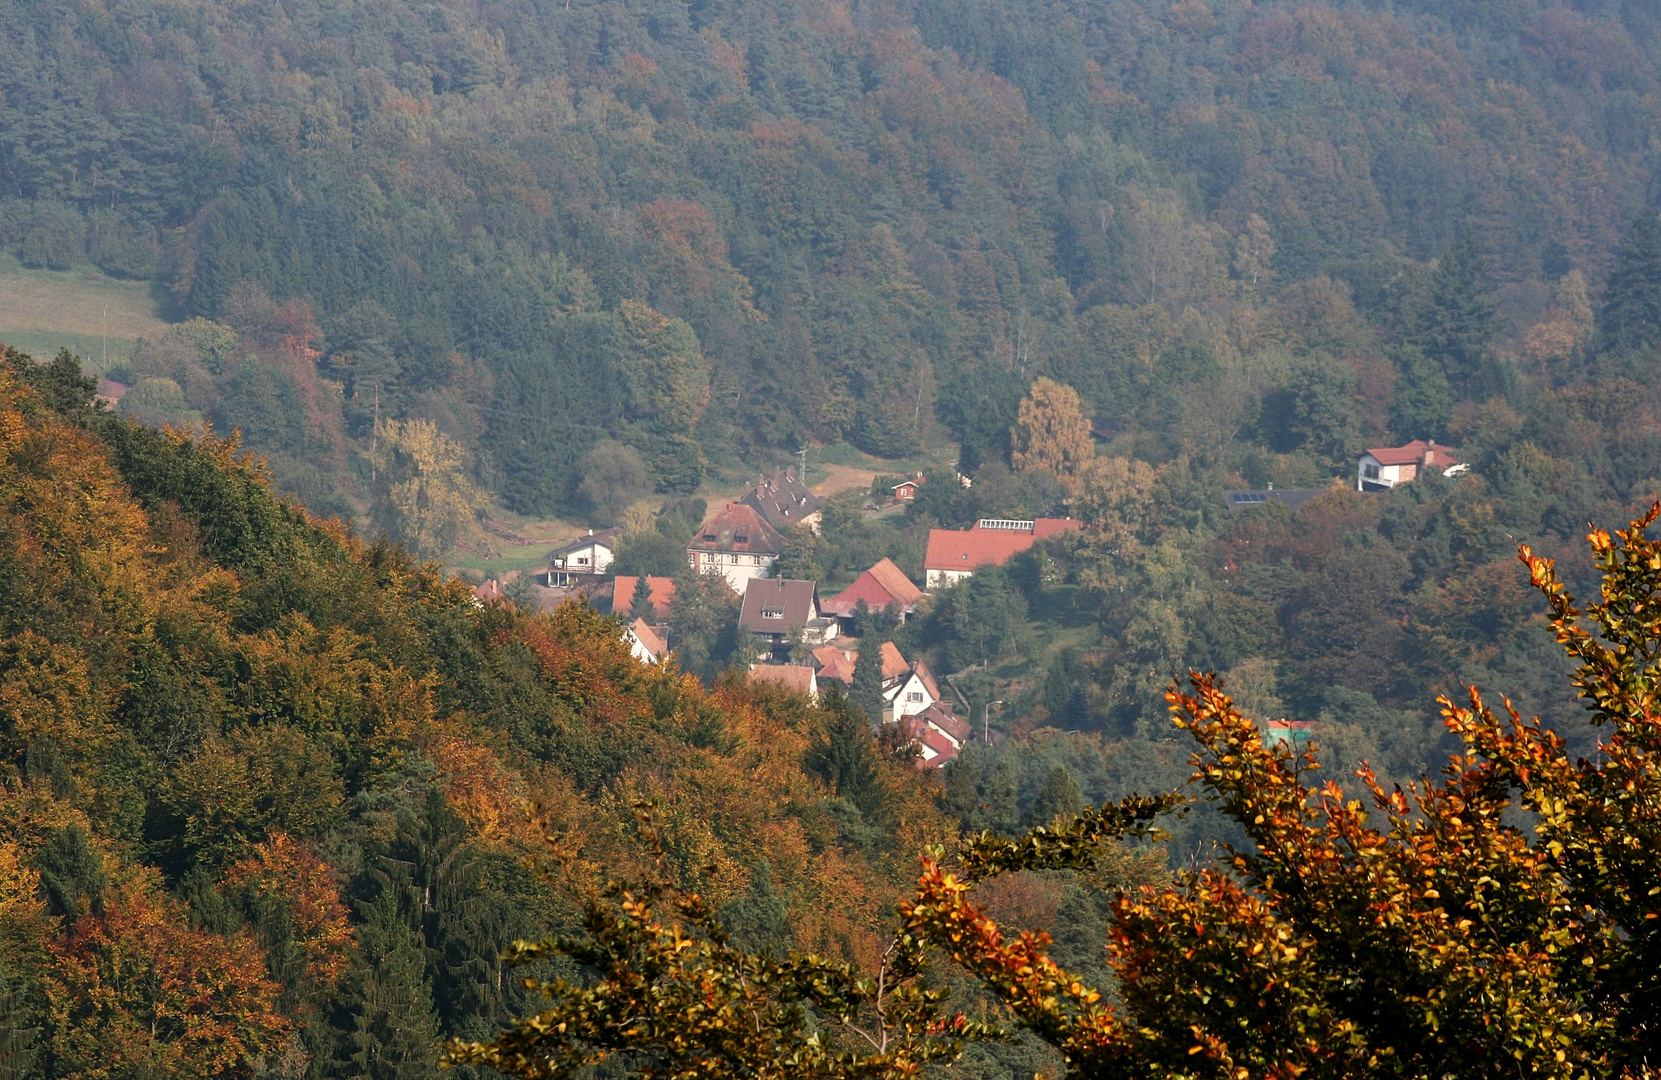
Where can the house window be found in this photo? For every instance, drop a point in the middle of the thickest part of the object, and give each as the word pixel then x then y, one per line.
pixel 709 538
pixel 1370 471
pixel 915 696
pixel 741 539
pixel 772 613
pixel 582 560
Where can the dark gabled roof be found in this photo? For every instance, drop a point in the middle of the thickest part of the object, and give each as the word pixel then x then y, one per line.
pixel 606 538
pixel 1292 497
pixel 782 500
pixel 793 600
pixel 738 528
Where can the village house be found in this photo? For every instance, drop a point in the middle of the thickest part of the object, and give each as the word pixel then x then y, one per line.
pixel 649 644
pixel 776 610
pixel 783 501
pixel 587 555
pixel 736 543
pixel 884 585
pixel 837 662
pixel 954 554
pixel 624 587
pixel 1382 468
pixel 938 733
pixel 909 693
pixel 906 490
pixel 798 677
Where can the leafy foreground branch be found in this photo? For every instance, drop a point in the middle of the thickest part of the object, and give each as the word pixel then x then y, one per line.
pixel 1506 917
pixel 674 997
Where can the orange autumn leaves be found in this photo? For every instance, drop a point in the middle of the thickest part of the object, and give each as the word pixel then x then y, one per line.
pixel 135 986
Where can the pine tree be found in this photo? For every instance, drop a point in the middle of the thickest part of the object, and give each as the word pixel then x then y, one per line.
pixel 1455 322
pixel 393 1032
pixel 1630 319
pixel 867 688
pixel 846 757
pixel 1060 795
pixel 641 607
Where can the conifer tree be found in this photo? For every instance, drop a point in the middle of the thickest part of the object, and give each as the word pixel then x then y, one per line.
pixel 641 607
pixel 846 756
pixel 392 1032
pixel 1630 319
pixel 1060 796
pixel 1455 322
pixel 867 688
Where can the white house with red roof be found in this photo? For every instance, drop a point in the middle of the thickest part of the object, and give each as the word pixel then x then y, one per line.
pixel 909 693
pixel 955 554
pixel 1383 467
pixel 937 733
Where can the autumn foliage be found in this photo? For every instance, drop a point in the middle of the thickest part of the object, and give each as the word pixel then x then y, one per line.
pixel 1505 913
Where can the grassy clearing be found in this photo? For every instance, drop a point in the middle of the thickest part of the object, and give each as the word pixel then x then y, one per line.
pixel 42 311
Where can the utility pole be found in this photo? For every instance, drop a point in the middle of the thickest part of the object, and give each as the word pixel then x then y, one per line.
pixel 801 474
pixel 106 333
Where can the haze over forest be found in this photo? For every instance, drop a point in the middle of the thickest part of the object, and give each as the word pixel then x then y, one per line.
pixel 600 264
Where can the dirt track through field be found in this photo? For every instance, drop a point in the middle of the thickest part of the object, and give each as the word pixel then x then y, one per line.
pixel 829 479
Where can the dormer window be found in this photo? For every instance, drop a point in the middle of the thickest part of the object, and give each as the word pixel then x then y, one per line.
pixel 772 613
pixel 709 538
pixel 742 539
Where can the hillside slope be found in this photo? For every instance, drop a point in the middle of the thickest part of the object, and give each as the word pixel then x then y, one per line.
pixel 725 228
pixel 262 785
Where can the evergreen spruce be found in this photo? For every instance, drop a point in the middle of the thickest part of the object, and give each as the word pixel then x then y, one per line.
pixel 1455 322
pixel 867 688
pixel 758 921
pixel 641 607
pixel 1060 795
pixel 846 757
pixel 392 1032
pixel 1630 320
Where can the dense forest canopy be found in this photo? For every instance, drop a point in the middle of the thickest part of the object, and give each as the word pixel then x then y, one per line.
pixel 263 786
pixel 763 225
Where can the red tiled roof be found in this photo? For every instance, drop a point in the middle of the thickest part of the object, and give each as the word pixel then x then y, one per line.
pixel 490 592
pixel 835 662
pixel 1417 452
pixel 924 734
pixel 738 527
pixel 922 671
pixel 623 587
pixel 795 676
pixel 893 664
pixel 941 716
pixel 879 586
pixel 649 638
pixel 954 549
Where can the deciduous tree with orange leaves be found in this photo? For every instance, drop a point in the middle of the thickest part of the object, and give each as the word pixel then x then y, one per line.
pixel 1506 916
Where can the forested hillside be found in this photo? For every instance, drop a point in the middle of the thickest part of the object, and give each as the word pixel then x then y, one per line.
pixel 730 229
pixel 262 785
